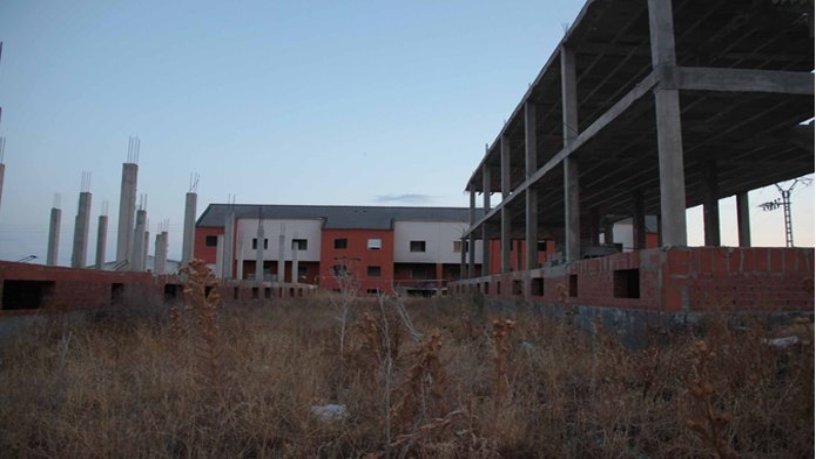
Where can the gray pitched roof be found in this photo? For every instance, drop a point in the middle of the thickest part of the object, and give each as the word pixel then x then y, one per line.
pixel 337 217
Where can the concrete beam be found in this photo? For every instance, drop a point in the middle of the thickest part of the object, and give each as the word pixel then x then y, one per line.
pixel 52 255
pixel 127 210
pixel 625 103
pixel 101 241
pixel 743 220
pixel 82 225
pixel 743 80
pixel 711 207
pixel 188 237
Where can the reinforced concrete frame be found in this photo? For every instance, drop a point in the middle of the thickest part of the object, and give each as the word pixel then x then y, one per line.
pixel 649 108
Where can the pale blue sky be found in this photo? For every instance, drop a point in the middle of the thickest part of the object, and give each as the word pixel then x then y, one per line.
pixel 302 102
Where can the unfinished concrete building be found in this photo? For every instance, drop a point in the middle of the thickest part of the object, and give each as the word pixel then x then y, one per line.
pixel 650 108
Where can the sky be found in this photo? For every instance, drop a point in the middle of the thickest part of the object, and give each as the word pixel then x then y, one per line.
pixel 300 102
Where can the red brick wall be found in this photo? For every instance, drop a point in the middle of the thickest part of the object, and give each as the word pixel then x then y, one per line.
pixel 678 279
pixel 82 288
pixel 358 257
pixel 201 251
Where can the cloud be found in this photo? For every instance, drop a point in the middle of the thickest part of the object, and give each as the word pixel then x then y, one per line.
pixel 405 198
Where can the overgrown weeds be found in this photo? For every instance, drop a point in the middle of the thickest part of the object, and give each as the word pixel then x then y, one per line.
pixel 430 378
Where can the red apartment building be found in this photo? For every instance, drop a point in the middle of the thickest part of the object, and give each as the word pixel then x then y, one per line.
pixel 383 248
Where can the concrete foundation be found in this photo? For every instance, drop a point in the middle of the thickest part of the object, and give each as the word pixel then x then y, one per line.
pixel 127 209
pixel 82 225
pixel 52 255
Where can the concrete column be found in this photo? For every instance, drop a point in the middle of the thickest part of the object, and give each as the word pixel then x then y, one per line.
pixel 569 102
pixel 259 252
pixel 229 244
pixel 295 264
pixel 188 238
pixel 2 178
pixel 82 225
pixel 743 220
pixel 711 205
pixel 506 224
pixel 471 248
pixel 52 256
pixel 127 209
pixel 669 131
pixel 145 246
pixel 531 195
pixel 239 264
pixel 609 236
pixel 135 260
pixel 160 254
pixel 638 221
pixel 485 251
pixel 486 188
pixel 282 255
pixel 486 201
pixel 219 257
pixel 101 241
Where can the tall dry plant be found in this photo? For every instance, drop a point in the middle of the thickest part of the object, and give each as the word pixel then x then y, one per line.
pixel 501 348
pixel 202 298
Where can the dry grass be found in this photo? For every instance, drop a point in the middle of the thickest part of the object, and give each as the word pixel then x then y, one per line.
pixel 472 385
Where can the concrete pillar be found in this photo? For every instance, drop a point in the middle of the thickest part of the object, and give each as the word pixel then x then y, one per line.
pixel 462 258
pixel 239 264
pixel 135 260
pixel 145 247
pixel 2 178
pixel 531 195
pixel 743 220
pixel 669 131
pixel 52 256
pixel 609 236
pixel 219 257
pixel 188 237
pixel 569 102
pixel 229 244
pixel 485 251
pixel 259 252
pixel 486 201
pixel 282 255
pixel 711 205
pixel 82 225
pixel 127 209
pixel 506 224
pixel 638 221
pixel 471 248
pixel 101 241
pixel 295 264
pixel 160 254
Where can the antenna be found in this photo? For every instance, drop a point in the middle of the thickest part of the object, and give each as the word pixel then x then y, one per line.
pixel 785 203
pixel 193 182
pixel 143 201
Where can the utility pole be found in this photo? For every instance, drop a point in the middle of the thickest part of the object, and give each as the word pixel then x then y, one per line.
pixel 784 201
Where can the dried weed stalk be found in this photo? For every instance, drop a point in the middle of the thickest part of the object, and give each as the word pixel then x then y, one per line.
pixel 709 425
pixel 202 298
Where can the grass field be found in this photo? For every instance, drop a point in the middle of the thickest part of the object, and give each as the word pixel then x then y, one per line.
pixel 430 378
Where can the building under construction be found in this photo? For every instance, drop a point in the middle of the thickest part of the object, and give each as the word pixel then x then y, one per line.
pixel 648 108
